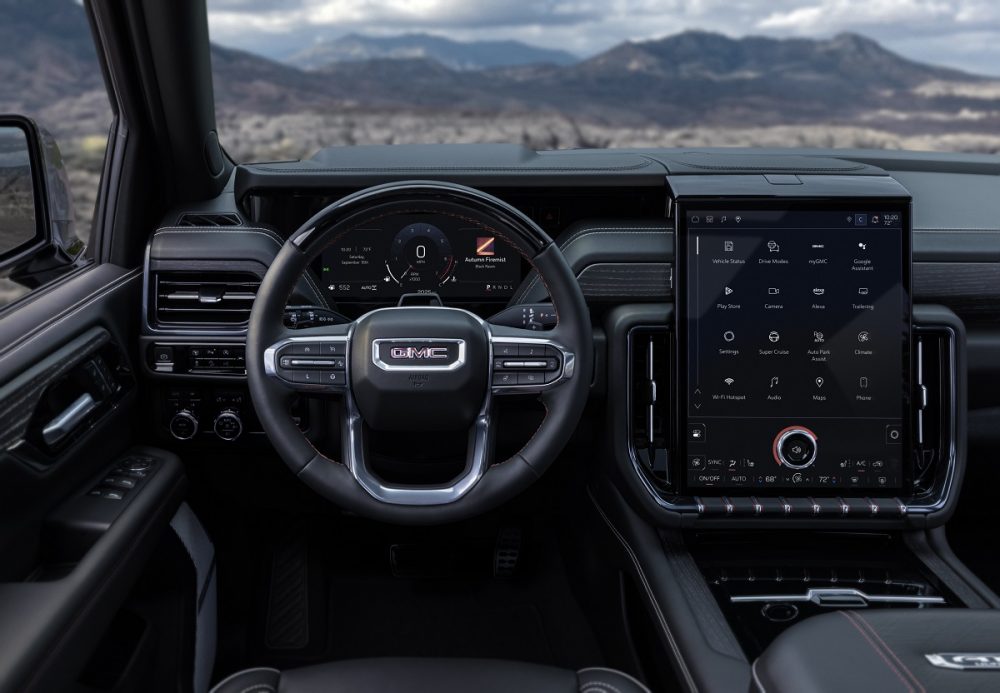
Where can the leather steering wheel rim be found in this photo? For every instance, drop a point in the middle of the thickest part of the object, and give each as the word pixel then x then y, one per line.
pixel 564 403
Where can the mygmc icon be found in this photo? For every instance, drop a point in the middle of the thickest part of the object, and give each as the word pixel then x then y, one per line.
pixel 418 354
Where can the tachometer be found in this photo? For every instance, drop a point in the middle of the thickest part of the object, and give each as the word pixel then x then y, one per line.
pixel 420 257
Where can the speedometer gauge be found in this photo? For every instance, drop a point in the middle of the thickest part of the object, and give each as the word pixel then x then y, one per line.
pixel 420 258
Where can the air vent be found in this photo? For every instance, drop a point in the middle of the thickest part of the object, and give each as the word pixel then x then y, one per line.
pixel 934 430
pixel 208 219
pixel 649 390
pixel 221 299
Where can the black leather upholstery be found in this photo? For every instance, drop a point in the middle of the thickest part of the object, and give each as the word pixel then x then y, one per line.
pixel 881 651
pixel 415 675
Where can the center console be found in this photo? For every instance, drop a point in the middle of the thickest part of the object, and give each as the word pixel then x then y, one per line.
pixel 791 416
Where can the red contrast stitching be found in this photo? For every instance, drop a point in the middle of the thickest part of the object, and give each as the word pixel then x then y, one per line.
pixel 879 652
pixel 871 629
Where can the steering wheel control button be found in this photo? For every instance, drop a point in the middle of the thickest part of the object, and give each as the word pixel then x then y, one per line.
pixel 307 377
pixel 319 359
pixel 507 378
pixel 303 349
pixel 530 379
pixel 532 350
pixel 535 365
pixel 292 362
pixel 795 447
pixel 334 377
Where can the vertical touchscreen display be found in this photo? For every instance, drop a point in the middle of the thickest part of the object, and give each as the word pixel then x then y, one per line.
pixel 794 334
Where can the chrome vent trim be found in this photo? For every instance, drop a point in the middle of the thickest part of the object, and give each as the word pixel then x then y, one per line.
pixel 220 300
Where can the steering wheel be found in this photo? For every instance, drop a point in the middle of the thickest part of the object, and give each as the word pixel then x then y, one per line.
pixel 426 370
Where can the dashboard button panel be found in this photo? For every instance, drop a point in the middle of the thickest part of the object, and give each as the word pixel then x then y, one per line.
pixel 228 359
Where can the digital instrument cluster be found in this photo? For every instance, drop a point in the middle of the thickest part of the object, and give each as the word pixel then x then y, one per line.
pixel 420 254
pixel 794 329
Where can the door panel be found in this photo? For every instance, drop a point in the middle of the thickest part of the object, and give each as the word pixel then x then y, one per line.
pixel 67 415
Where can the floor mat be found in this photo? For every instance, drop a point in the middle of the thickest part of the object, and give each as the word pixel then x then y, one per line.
pixel 399 617
pixel 359 608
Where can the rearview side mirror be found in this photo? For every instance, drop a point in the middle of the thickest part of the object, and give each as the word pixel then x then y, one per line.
pixel 38 237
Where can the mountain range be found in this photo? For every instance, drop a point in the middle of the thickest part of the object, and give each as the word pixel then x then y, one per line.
pixel 456 55
pixel 691 78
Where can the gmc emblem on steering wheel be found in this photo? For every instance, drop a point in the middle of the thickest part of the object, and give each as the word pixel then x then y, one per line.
pixel 418 354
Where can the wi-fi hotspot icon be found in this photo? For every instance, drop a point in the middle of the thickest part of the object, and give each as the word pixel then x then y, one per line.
pixel 729 381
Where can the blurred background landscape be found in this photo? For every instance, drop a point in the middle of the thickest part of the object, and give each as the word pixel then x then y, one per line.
pixel 690 89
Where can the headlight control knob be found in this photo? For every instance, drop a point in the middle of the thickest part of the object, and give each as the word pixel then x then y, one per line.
pixel 183 425
pixel 228 425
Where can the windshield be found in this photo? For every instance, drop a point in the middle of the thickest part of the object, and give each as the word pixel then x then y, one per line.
pixel 291 78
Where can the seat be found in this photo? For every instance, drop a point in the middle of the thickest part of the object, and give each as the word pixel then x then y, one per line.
pixel 429 675
pixel 888 650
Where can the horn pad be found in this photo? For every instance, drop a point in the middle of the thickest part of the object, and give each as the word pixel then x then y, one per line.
pixel 419 368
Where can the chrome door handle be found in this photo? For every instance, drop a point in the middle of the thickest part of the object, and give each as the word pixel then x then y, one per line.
pixel 63 424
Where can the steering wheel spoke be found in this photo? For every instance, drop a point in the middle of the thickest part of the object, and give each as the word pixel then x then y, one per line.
pixel 479 455
pixel 529 362
pixel 312 361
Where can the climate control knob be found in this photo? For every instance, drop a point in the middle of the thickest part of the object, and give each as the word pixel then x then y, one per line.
pixel 795 447
pixel 183 425
pixel 228 425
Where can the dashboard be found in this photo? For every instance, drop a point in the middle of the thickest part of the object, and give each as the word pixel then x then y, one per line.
pixel 794 327
pixel 420 254
pixel 778 333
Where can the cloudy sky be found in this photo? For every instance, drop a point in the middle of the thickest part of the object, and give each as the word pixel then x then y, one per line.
pixel 957 33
